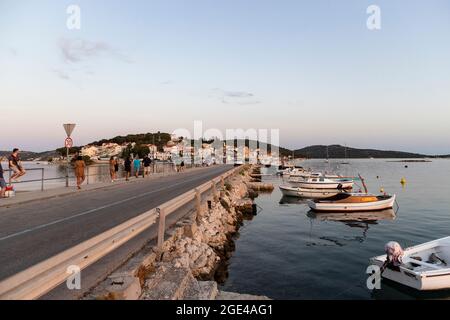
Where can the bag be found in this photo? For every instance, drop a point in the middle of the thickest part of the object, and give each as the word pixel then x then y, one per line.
pixel 9 192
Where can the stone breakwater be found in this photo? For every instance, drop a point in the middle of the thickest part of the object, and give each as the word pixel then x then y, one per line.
pixel 193 256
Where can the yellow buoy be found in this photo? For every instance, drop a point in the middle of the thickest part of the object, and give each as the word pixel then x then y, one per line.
pixel 403 181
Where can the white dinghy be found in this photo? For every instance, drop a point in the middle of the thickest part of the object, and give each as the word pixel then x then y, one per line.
pixel 308 193
pixel 422 267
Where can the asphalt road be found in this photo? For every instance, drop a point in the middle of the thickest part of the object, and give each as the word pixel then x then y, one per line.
pixel 32 232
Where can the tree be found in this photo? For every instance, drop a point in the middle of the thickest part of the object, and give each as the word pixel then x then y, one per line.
pixel 63 151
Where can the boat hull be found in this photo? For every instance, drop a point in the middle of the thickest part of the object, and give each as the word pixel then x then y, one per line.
pixel 327 185
pixel 423 281
pixel 308 193
pixel 352 207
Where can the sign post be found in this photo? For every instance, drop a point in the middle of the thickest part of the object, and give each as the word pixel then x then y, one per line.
pixel 68 143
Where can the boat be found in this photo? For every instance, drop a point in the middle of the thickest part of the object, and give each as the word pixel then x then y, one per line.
pixel 423 267
pixel 353 202
pixel 325 183
pixel 293 172
pixel 308 193
pixel 302 177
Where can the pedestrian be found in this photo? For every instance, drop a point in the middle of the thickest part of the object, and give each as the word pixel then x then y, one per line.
pixel 80 167
pixel 2 180
pixel 137 166
pixel 112 168
pixel 147 162
pixel 15 164
pixel 182 166
pixel 127 165
pixel 116 167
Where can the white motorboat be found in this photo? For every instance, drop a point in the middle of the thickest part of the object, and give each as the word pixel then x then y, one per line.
pixel 302 178
pixel 422 267
pixel 353 202
pixel 293 172
pixel 325 183
pixel 308 193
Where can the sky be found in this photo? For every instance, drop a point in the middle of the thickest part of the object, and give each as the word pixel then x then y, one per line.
pixel 311 69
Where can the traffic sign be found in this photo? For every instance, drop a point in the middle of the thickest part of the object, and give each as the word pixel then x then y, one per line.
pixel 68 143
pixel 69 128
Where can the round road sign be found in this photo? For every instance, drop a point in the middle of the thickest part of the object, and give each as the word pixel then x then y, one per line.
pixel 68 143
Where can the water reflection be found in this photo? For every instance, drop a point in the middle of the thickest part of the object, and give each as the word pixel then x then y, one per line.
pixel 292 200
pixel 360 220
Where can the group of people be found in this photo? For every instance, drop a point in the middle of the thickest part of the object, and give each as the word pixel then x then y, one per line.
pixel 15 165
pixel 136 163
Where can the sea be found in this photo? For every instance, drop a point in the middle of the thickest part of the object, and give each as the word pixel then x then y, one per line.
pixel 288 252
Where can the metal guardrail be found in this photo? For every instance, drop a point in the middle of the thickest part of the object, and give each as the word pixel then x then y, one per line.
pixel 156 168
pixel 48 274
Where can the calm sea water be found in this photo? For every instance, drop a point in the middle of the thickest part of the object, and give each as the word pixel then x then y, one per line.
pixel 286 252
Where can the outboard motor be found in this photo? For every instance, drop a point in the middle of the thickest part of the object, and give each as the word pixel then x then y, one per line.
pixel 394 253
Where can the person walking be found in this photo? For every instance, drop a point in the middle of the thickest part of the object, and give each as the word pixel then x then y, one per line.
pixel 15 164
pixel 80 167
pixel 147 162
pixel 127 165
pixel 2 180
pixel 182 166
pixel 112 168
pixel 116 167
pixel 137 166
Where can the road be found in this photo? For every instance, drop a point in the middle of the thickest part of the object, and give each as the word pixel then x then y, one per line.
pixel 32 232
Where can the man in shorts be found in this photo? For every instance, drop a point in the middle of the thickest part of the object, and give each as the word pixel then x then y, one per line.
pixel 2 181
pixel 15 164
pixel 147 162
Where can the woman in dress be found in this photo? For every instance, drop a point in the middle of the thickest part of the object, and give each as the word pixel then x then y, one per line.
pixel 79 171
pixel 112 168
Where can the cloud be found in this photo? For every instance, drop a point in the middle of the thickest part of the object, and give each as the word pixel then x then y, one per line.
pixel 167 82
pixel 78 50
pixel 13 52
pixel 236 97
pixel 76 54
pixel 61 74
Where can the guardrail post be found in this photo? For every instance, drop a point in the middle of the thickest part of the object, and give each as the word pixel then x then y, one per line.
pixel 198 204
pixel 42 179
pixel 162 226
pixel 214 190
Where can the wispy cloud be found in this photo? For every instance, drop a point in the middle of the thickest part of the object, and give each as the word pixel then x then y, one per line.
pixel 61 74
pixel 77 50
pixel 76 54
pixel 236 97
pixel 13 52
pixel 167 82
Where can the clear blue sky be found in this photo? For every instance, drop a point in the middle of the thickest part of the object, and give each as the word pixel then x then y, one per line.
pixel 310 68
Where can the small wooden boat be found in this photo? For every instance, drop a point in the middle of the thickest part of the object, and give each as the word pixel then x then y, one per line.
pixel 308 193
pixel 353 202
pixel 325 183
pixel 422 267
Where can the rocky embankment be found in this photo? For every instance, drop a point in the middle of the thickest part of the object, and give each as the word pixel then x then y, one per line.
pixel 195 254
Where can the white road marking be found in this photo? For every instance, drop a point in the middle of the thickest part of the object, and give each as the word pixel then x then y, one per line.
pixel 90 211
